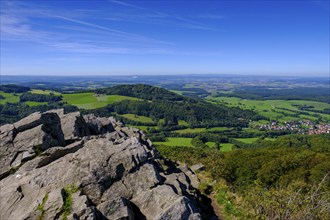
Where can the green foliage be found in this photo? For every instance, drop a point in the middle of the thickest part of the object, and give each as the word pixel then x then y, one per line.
pixel 12 88
pixel 224 199
pixel 67 200
pixel 39 98
pixel 277 179
pixel 41 207
pixel 198 142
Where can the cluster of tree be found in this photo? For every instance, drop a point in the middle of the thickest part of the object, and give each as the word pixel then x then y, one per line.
pixel 293 168
pixel 264 93
pixel 39 97
pixel 142 91
pixel 198 142
pixel 12 112
pixel 12 88
pixel 2 97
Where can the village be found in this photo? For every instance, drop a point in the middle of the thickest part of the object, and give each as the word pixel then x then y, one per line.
pixel 300 127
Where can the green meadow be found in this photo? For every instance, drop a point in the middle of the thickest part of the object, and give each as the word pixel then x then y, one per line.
pixel 30 103
pixel 89 100
pixel 9 97
pixel 226 147
pixel 247 140
pixel 138 118
pixel 199 130
pixel 44 92
pixel 184 142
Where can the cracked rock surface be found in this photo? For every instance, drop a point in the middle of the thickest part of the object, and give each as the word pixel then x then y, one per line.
pixel 55 165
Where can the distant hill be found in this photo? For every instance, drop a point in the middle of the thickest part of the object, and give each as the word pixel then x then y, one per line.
pixel 160 103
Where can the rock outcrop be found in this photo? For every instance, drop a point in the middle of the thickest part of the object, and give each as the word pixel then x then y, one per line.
pixel 56 166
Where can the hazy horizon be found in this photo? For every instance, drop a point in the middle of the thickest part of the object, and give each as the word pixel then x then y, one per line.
pixel 111 38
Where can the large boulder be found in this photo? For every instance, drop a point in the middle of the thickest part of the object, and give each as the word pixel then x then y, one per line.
pixel 22 140
pixel 103 170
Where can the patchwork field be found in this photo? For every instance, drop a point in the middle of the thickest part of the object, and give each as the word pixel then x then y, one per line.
pixel 274 109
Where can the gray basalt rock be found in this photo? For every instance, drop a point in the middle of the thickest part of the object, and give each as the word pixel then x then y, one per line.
pixel 95 166
pixel 119 208
pixel 98 125
pixel 74 126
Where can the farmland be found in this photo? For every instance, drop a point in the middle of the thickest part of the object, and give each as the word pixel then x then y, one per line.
pixel 281 110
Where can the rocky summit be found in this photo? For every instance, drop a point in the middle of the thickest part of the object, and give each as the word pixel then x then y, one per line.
pixel 69 166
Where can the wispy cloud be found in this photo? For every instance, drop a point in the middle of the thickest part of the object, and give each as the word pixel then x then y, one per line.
pixel 19 24
pixel 127 4
pixel 211 16
pixel 79 31
pixel 177 20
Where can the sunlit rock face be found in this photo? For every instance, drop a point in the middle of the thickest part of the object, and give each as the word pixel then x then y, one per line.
pixel 55 165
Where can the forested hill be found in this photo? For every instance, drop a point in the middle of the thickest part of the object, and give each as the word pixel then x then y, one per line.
pixel 159 103
pixel 143 91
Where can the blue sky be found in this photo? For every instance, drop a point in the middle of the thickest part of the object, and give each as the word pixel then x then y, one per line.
pixel 105 37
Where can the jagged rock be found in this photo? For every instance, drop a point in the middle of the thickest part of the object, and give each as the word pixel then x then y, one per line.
pixel 7 150
pixel 7 133
pixel 115 175
pixel 53 203
pixel 81 208
pixel 98 125
pixel 28 122
pixel 119 208
pixel 163 203
pixel 194 181
pixel 37 131
pixel 197 167
pixel 74 126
